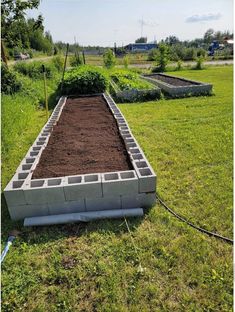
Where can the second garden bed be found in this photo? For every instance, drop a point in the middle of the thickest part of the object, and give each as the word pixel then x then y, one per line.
pixel 128 86
pixel 179 87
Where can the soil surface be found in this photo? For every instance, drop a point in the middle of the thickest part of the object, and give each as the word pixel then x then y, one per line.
pixel 86 139
pixel 173 80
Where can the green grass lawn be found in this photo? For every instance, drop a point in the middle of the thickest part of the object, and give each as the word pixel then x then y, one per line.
pixel 94 267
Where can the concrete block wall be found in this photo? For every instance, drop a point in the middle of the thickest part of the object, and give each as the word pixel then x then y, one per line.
pixel 135 95
pixel 198 88
pixel 27 197
pixel 146 176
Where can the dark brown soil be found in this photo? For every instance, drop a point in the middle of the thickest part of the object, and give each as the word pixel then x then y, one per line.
pixel 173 80
pixel 86 139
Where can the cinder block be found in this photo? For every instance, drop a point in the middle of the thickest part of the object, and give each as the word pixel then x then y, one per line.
pixel 129 145
pixel 119 183
pixel 123 128
pixel 126 132
pixel 21 175
pixel 77 187
pixel 143 200
pixel 148 200
pixel 42 191
pixel 14 194
pixel 19 212
pixel 139 156
pixel 67 207
pixel 134 150
pixel 147 180
pixel 103 203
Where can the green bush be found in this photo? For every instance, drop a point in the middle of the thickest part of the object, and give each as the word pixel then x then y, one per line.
pixel 153 55
pixel 9 81
pixel 126 61
pixel 129 80
pixel 75 60
pixel 179 51
pixel 163 58
pixel 199 63
pixel 179 65
pixel 85 79
pixel 58 62
pixel 109 59
pixel 190 54
pixel 34 69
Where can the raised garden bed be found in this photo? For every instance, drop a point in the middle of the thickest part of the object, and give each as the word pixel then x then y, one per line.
pixel 84 164
pixel 128 86
pixel 179 87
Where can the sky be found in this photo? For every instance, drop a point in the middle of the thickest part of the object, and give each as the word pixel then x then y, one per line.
pixel 103 22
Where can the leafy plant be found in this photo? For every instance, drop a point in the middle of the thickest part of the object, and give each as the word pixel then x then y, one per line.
pixel 109 59
pixel 179 65
pixel 58 62
pixel 199 63
pixel 75 60
pixel 153 55
pixel 9 81
pixel 128 80
pixel 34 69
pixel 163 57
pixel 85 79
pixel 126 61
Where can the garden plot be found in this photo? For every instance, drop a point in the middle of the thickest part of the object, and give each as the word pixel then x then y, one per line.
pixel 178 87
pixel 84 161
pixel 127 86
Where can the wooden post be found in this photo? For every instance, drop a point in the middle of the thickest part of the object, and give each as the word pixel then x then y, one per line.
pixel 65 62
pixel 83 55
pixel 45 90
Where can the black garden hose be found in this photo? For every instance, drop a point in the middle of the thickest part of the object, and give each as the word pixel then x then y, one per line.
pixel 226 239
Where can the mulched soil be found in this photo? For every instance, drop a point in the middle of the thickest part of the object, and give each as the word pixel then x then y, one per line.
pixel 173 80
pixel 86 139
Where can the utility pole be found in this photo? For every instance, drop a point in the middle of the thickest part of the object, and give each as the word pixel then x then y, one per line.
pixel 142 25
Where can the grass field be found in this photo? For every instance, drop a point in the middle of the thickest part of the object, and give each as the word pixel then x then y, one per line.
pixel 95 267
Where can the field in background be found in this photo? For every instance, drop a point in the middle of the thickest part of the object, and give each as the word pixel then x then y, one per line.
pixel 94 267
pixel 139 59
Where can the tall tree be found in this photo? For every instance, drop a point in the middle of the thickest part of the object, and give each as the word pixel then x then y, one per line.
pixel 141 40
pixel 209 35
pixel 14 10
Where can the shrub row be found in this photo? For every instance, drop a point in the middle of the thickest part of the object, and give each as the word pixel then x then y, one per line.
pixel 85 80
pixel 9 82
pixel 34 69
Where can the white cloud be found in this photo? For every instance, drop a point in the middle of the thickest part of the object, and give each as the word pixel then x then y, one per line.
pixel 203 18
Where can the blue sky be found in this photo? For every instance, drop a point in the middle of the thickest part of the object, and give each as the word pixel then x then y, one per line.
pixel 103 22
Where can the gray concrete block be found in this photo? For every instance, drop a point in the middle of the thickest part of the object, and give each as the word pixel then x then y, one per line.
pixel 14 194
pixel 67 207
pixel 147 180
pixel 103 203
pixel 143 200
pixel 77 187
pixel 19 212
pixel 148 200
pixel 118 183
pixel 42 191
